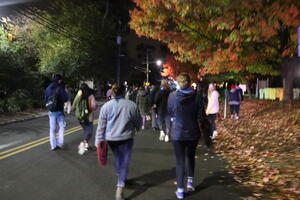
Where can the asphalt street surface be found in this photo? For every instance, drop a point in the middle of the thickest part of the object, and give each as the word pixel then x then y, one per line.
pixel 30 171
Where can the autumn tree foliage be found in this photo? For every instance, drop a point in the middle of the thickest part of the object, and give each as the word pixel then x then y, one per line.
pixel 250 36
pixel 172 68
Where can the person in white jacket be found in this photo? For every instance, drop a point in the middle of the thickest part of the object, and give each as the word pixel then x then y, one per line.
pixel 212 108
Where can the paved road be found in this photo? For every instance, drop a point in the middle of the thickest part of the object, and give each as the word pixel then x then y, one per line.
pixel 30 171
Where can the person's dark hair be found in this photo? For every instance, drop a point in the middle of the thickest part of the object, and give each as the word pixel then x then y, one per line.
pixel 56 78
pixel 86 91
pixel 118 90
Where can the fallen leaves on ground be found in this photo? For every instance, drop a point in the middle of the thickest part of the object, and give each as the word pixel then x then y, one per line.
pixel 262 148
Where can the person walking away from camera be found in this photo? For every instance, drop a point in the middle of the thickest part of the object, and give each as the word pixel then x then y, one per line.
pixel 119 119
pixel 153 90
pixel 56 114
pixel 161 106
pixel 186 110
pixel 84 105
pixel 212 108
pixel 237 86
pixel 234 101
pixel 142 101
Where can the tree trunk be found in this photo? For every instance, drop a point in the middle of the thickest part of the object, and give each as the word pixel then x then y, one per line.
pixel 248 88
pixel 288 69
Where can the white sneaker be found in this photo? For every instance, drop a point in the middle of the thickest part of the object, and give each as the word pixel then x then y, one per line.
pixel 236 117
pixel 143 127
pixel 81 148
pixel 162 136
pixel 215 133
pixel 167 138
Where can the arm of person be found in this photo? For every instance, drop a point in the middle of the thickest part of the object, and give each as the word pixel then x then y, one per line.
pixel 137 118
pixel 76 100
pixel 92 103
pixel 102 122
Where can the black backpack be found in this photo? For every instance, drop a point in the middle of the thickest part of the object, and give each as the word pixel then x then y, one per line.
pixel 52 101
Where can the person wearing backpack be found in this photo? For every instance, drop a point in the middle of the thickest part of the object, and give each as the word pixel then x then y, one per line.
pixel 84 105
pixel 55 97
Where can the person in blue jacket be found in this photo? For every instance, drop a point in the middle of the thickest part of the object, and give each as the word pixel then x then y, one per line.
pixel 186 110
pixel 56 114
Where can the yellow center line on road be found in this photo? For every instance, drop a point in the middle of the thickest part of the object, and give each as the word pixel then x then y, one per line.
pixel 35 143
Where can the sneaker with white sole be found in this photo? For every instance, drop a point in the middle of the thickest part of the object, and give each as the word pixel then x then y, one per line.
pixel 190 187
pixel 81 148
pixel 167 138
pixel 179 195
pixel 215 133
pixel 162 136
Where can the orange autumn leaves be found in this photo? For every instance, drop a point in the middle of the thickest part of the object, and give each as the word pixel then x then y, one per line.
pixel 263 148
pixel 221 36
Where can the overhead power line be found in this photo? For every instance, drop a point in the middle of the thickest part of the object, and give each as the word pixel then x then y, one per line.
pixel 47 25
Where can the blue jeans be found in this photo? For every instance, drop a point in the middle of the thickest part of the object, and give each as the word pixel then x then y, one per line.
pixel 164 123
pixel 87 129
pixel 184 149
pixel 59 118
pixel 122 151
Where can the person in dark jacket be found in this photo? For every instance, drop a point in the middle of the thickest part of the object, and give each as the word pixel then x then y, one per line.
pixel 153 90
pixel 161 107
pixel 234 101
pixel 56 115
pixel 186 110
pixel 142 101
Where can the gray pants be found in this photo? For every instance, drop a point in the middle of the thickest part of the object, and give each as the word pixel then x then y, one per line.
pixel 154 119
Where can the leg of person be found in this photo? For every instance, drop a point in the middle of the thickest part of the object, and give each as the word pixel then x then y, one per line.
pixel 191 151
pixel 154 119
pixel 231 111
pixel 62 124
pixel 123 155
pixel 168 128
pixel 179 149
pixel 88 132
pixel 212 119
pixel 161 128
pixel 115 150
pixel 143 121
pixel 52 125
pixel 238 111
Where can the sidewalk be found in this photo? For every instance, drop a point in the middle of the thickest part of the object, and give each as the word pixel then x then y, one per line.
pixel 13 117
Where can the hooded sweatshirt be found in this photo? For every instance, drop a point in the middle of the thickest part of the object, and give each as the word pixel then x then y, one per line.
pixel 119 118
pixel 185 108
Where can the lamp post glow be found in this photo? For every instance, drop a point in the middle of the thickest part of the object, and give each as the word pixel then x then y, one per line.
pixel 158 62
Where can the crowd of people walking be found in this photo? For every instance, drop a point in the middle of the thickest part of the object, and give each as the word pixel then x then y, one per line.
pixel 178 114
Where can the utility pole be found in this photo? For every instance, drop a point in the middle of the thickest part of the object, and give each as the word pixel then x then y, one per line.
pixel 299 41
pixel 119 42
pixel 147 66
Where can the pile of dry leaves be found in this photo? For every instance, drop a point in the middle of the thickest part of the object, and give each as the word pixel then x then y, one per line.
pixel 262 148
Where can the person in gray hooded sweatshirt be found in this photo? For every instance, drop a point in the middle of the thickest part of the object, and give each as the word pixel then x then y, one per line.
pixel 186 110
pixel 119 119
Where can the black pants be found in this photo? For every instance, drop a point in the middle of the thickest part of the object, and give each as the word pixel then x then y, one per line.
pixel 87 129
pixel 184 149
pixel 212 120
pixel 235 109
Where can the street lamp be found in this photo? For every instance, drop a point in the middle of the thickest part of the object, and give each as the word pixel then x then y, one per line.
pixel 158 62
